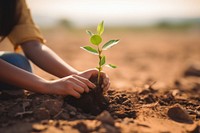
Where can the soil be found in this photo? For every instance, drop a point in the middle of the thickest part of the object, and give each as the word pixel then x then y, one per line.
pixel 156 88
pixel 45 113
pixel 93 102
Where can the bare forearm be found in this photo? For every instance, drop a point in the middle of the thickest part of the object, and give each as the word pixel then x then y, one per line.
pixel 46 59
pixel 18 77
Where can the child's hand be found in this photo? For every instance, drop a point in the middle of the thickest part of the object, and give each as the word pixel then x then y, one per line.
pixel 71 85
pixel 75 85
pixel 94 72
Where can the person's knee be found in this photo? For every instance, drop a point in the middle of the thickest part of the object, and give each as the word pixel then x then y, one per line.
pixel 17 60
pixel 8 90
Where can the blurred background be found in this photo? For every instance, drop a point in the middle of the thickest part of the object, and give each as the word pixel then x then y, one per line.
pixel 159 39
pixel 82 13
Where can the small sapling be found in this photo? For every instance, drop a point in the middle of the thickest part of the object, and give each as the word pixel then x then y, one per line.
pixel 94 102
pixel 97 48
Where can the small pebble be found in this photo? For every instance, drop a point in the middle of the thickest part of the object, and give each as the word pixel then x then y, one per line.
pixel 177 113
pixel 105 117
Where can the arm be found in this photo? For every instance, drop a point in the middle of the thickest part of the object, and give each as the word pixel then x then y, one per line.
pixel 70 85
pixel 18 77
pixel 46 59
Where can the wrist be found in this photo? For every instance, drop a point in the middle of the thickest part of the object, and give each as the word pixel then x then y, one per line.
pixel 68 73
pixel 74 72
pixel 44 87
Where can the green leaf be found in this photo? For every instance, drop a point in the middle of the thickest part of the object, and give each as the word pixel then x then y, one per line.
pixel 90 50
pixel 111 66
pixel 100 28
pixel 103 61
pixel 89 33
pixel 109 44
pixel 96 39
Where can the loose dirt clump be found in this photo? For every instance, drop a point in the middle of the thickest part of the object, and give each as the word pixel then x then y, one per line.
pixel 177 113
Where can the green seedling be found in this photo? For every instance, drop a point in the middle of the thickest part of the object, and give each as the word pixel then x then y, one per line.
pixel 98 49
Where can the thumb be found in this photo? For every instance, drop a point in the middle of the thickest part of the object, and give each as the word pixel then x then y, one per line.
pixel 89 73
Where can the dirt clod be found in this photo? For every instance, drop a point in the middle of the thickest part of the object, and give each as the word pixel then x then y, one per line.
pixel 193 70
pixel 82 127
pixel 177 113
pixel 105 117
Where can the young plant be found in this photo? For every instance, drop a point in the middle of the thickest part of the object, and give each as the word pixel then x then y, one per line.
pixel 98 49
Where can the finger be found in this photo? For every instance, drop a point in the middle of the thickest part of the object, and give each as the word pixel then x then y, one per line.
pixel 77 88
pixel 105 81
pixel 74 94
pixel 94 72
pixel 86 81
pixel 104 85
pixel 105 78
pixel 104 75
pixel 107 87
pixel 78 82
pixel 89 73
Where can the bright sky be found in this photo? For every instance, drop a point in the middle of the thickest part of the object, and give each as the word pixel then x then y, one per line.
pixel 119 12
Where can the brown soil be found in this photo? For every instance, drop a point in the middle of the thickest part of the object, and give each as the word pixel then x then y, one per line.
pixel 93 102
pixel 43 113
pixel 156 88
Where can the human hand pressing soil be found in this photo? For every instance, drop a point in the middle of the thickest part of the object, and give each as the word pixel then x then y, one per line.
pixel 94 101
pixel 77 84
pixel 73 85
pixel 88 74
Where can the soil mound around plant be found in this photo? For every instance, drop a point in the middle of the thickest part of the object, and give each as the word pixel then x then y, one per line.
pixel 93 102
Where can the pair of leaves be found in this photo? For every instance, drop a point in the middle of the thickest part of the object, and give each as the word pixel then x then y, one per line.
pixel 106 46
pixel 103 59
pixel 96 38
pixel 100 29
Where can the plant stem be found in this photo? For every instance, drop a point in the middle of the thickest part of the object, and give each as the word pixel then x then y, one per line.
pixel 100 67
pixel 98 81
